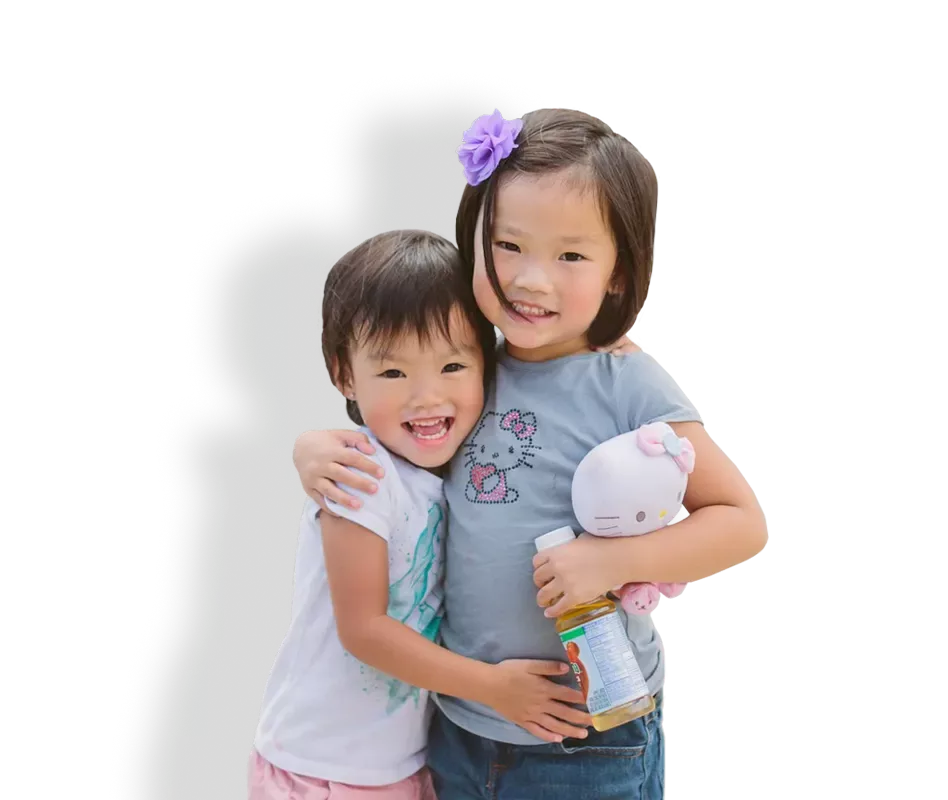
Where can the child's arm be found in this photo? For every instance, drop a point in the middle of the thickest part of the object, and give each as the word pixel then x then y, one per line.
pixel 357 565
pixel 725 526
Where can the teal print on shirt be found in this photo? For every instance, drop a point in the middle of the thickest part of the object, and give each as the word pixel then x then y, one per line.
pixel 408 599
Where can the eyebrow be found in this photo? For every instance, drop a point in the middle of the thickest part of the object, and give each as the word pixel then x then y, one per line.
pixel 516 232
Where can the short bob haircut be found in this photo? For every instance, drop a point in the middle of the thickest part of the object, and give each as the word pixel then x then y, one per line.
pixel 627 190
pixel 392 284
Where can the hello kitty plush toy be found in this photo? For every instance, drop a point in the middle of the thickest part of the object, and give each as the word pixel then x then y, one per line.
pixel 630 485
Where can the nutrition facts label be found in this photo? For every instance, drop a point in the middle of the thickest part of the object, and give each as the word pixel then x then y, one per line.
pixel 603 661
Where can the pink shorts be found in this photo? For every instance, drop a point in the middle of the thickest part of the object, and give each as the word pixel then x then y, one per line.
pixel 268 782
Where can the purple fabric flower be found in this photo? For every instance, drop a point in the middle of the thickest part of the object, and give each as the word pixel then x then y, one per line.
pixel 486 142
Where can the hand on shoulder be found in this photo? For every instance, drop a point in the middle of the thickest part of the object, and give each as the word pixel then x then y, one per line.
pixel 623 347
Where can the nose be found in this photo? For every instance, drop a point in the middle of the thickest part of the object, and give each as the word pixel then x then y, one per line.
pixel 426 393
pixel 532 276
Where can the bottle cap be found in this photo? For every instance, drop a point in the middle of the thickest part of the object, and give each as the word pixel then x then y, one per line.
pixel 554 538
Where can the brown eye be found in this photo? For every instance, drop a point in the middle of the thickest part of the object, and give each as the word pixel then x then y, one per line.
pixel 640 516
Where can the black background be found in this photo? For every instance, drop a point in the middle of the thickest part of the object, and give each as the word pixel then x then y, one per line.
pixel 271 205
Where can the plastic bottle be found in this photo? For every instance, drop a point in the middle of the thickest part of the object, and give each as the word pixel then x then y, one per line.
pixel 600 654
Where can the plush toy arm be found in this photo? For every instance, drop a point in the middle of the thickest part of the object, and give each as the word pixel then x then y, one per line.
pixel 671 589
pixel 641 598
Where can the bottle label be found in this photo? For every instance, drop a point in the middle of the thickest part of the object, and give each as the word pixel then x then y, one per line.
pixel 603 662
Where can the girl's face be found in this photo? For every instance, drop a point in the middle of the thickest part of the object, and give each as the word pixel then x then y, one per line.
pixel 421 399
pixel 555 257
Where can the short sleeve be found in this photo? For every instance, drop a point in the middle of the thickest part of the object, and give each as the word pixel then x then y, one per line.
pixel 646 393
pixel 378 511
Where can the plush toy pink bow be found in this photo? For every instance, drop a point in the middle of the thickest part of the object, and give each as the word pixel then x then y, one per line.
pixel 657 439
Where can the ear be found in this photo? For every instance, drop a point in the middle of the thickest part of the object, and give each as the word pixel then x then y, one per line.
pixel 343 383
pixel 345 389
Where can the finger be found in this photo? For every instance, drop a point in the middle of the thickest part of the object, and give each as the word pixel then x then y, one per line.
pixel 542 733
pixel 561 606
pixel 549 594
pixel 555 725
pixel 548 668
pixel 542 576
pixel 356 439
pixel 574 716
pixel 540 559
pixel 623 345
pixel 349 436
pixel 337 495
pixel 567 694
pixel 321 502
pixel 355 459
pixel 352 480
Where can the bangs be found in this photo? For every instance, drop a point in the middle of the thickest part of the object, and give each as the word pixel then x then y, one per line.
pixel 427 322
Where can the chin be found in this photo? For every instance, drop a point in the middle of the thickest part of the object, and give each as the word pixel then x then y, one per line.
pixel 526 340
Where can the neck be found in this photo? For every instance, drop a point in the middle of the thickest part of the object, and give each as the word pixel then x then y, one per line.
pixel 548 352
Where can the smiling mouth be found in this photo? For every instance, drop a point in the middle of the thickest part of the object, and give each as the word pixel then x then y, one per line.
pixel 429 430
pixel 531 311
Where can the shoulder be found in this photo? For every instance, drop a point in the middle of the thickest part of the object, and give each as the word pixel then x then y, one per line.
pixel 378 509
pixel 382 456
pixel 638 367
pixel 646 392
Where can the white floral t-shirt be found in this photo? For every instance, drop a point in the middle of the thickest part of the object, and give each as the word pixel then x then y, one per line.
pixel 326 714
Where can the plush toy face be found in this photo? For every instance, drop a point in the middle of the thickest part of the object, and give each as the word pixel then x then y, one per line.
pixel 634 483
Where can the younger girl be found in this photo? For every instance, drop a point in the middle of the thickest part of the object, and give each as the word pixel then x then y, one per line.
pixel 343 716
pixel 556 229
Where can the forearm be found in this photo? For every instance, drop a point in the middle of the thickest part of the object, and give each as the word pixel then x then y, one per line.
pixel 397 650
pixel 710 540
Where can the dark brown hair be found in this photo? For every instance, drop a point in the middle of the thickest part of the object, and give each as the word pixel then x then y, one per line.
pixel 392 284
pixel 556 139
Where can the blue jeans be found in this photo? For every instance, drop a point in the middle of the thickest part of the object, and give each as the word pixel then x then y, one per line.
pixel 626 763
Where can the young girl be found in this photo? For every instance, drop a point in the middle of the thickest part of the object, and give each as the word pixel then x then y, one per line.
pixel 404 342
pixel 556 229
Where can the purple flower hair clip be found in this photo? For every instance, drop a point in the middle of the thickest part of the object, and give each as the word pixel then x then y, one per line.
pixel 486 142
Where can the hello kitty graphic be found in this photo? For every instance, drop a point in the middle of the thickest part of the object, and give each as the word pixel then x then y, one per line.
pixel 500 444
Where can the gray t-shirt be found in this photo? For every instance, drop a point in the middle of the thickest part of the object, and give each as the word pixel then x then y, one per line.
pixel 511 482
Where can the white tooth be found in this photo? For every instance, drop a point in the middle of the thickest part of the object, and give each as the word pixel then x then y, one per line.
pixel 534 311
pixel 433 429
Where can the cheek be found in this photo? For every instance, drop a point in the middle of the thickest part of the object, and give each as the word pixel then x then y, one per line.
pixel 484 295
pixel 471 397
pixel 587 293
pixel 380 410
pixel 480 281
